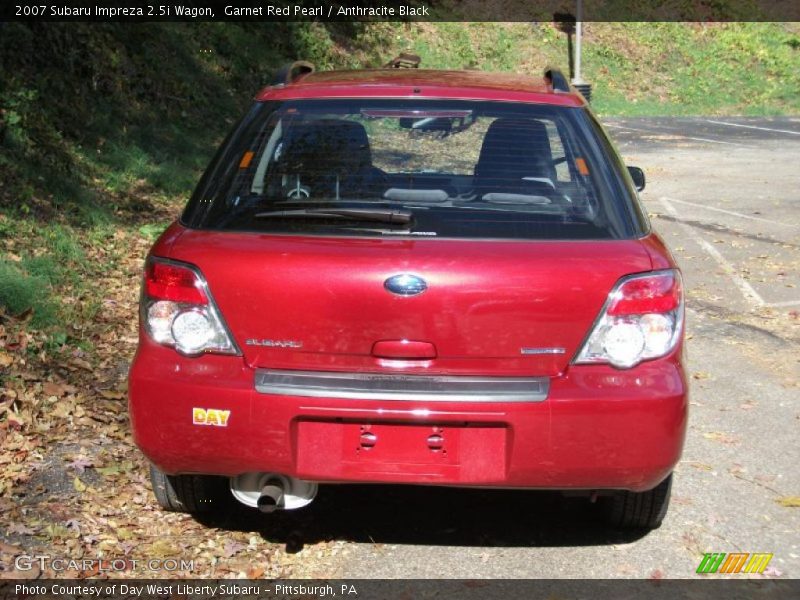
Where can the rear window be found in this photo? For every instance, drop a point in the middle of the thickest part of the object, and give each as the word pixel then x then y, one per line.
pixel 429 168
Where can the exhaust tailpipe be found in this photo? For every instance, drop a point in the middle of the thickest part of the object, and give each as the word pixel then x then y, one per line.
pixel 269 492
pixel 271 497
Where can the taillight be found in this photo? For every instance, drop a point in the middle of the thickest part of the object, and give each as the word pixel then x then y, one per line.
pixel 168 281
pixel 177 310
pixel 642 319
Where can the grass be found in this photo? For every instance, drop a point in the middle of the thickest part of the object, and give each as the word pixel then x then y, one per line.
pixel 152 230
pixel 44 264
pixel 694 69
pixel 636 69
pixel 21 293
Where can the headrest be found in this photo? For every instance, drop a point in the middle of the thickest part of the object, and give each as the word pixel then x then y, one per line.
pixel 519 146
pixel 326 145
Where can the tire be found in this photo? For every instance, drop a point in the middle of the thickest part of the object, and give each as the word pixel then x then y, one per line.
pixel 193 494
pixel 638 510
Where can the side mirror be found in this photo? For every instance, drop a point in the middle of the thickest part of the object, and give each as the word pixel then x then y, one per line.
pixel 638 177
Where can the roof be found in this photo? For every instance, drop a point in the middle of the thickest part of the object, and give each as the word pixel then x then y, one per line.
pixel 422 83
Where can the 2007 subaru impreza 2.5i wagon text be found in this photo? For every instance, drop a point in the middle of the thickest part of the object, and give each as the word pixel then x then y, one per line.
pixel 412 277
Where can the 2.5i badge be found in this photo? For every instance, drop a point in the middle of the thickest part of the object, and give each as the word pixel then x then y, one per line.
pixel 210 416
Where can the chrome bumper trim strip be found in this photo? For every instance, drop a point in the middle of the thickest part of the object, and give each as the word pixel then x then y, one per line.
pixel 370 386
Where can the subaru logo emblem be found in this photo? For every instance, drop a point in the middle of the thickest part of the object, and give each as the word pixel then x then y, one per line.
pixel 405 284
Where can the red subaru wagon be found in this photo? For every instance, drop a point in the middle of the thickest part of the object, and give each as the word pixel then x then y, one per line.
pixel 415 277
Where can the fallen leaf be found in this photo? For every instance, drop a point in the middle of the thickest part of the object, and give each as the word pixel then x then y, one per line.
pixel 719 436
pixel 57 531
pixel 59 510
pixel 789 501
pixel 126 547
pixel 53 389
pixel 9 549
pixel 79 486
pixel 74 525
pixel 232 547
pixel 63 409
pixel 79 464
pixel 107 471
pixel 255 572
pixel 162 548
pixel 83 364
pixel 19 529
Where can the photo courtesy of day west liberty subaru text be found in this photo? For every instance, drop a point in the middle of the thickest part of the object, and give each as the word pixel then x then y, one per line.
pixel 163 589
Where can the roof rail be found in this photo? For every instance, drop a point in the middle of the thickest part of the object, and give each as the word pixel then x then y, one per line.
pixel 404 61
pixel 289 73
pixel 556 79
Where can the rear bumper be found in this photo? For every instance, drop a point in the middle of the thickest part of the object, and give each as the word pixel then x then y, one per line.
pixel 598 428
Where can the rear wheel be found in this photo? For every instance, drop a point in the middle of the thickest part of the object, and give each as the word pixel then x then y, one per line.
pixel 638 510
pixel 187 493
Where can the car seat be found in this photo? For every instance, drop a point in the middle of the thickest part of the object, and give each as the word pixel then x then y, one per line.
pixel 515 158
pixel 330 158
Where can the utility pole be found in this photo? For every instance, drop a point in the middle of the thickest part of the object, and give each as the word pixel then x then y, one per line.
pixel 583 87
pixel 576 79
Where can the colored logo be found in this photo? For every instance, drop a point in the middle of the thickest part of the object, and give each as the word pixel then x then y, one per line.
pixel 737 562
pixel 405 284
pixel 210 416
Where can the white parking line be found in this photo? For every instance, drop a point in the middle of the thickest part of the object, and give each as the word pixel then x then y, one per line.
pixel 782 304
pixel 730 212
pixel 670 132
pixel 708 140
pixel 749 293
pixel 753 127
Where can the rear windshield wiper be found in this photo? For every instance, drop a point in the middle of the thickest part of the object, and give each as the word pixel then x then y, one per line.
pixel 349 214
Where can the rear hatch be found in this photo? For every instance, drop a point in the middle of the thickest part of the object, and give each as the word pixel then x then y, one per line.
pixel 490 307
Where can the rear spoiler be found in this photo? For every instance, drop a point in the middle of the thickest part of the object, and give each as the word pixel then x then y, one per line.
pixel 292 72
pixel 556 79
